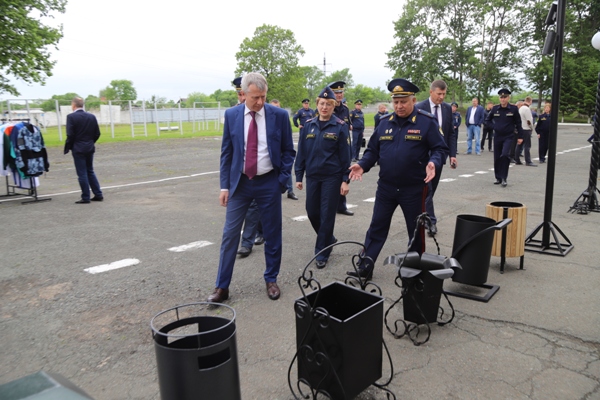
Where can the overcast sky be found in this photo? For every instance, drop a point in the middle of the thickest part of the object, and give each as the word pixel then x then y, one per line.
pixel 170 49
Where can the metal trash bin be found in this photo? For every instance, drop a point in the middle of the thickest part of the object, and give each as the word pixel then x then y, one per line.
pixel 196 352
pixel 339 345
pixel 474 258
pixel 510 242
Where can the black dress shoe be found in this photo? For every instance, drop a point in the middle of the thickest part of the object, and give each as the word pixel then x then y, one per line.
pixel 542 161
pixel 346 212
pixel 82 201
pixel 96 198
pixel 432 230
pixel 273 290
pixel 244 252
pixel 512 161
pixel 518 163
pixel 259 240
pixel 218 296
pixel 498 181
pixel 362 273
pixel 531 164
pixel 504 183
pixel 321 264
pixel 292 195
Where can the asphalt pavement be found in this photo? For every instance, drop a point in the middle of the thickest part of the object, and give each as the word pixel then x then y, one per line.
pixel 537 338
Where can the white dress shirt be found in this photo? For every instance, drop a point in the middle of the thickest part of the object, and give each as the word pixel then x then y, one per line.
pixel 264 161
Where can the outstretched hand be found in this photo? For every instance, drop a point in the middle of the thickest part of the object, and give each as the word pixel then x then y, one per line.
pixel 356 172
pixel 430 170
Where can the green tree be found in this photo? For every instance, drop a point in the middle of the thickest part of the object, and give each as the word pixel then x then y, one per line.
pixel 314 81
pixel 198 97
pixel 228 98
pixel 92 102
pixel 119 89
pixel 341 75
pixel 274 53
pixel 25 41
pixel 63 100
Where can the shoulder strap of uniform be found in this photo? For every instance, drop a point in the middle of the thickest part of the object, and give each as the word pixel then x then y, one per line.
pixel 423 112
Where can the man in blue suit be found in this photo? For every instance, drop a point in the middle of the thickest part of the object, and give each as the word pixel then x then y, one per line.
pixel 474 119
pixel 82 133
pixel 443 115
pixel 256 162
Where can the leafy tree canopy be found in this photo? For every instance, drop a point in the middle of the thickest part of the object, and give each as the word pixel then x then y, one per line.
pixel 25 41
pixel 274 53
pixel 120 89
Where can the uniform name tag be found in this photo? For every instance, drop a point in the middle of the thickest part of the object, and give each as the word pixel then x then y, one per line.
pixel 388 137
pixel 509 114
pixel 330 136
pixel 414 131
pixel 412 137
pixel 310 136
pixel 497 115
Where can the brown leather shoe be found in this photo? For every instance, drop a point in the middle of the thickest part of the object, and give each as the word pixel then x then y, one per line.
pixel 273 290
pixel 218 296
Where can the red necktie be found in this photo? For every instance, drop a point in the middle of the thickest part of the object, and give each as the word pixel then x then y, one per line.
pixel 252 148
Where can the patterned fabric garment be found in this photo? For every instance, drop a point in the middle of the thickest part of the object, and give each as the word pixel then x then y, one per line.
pixel 31 157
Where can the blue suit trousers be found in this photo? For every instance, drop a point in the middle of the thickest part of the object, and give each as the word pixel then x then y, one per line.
pixel 266 191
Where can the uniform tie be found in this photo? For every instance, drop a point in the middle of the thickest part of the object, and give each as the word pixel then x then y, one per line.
pixel 252 148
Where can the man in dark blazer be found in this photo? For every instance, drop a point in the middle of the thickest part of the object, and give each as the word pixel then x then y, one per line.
pixel 443 114
pixel 473 119
pixel 256 162
pixel 82 133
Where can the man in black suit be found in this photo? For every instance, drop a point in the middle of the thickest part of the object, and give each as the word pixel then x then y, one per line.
pixel 443 113
pixel 82 133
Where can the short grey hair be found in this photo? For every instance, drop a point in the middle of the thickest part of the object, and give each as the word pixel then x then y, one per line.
pixel 438 84
pixel 78 102
pixel 254 78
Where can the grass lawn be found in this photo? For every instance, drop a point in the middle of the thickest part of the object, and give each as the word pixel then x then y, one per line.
pixel 123 132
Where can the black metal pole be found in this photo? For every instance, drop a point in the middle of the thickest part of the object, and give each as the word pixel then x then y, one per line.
pixel 588 200
pixel 548 227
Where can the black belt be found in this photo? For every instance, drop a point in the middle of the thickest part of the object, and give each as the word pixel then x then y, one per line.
pixel 259 177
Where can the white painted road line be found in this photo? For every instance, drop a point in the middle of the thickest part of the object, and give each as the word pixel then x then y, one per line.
pixel 465 176
pixel 447 180
pixel 300 218
pixel 481 172
pixel 370 200
pixel 128 262
pixel 351 205
pixel 193 245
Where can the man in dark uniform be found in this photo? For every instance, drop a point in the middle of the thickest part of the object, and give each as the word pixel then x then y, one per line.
pixel 505 118
pixel 443 113
pixel 303 114
pixel 409 148
pixel 357 120
pixel 488 129
pixel 380 113
pixel 341 111
pixel 456 118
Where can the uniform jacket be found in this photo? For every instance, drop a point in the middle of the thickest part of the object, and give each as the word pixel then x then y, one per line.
pixel 357 119
pixel 542 127
pixel 279 143
pixel 479 115
pixel 82 132
pixel 456 121
pixel 323 152
pixel 447 125
pixel 404 150
pixel 505 120
pixel 377 116
pixel 303 115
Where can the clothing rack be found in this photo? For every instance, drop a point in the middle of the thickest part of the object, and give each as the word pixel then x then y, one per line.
pixel 11 190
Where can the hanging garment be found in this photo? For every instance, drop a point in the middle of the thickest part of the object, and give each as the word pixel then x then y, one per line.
pixel 31 157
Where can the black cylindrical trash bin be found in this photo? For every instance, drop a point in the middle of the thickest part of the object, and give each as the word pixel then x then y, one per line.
pixel 196 352
pixel 474 257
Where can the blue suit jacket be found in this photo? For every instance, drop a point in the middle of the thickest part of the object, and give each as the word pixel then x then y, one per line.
pixel 279 142
pixel 447 125
pixel 82 132
pixel 479 115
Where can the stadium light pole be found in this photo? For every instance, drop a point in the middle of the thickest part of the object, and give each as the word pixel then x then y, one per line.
pixel 553 44
pixel 588 200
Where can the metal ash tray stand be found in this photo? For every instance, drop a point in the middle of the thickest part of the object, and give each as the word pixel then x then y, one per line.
pixel 339 337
